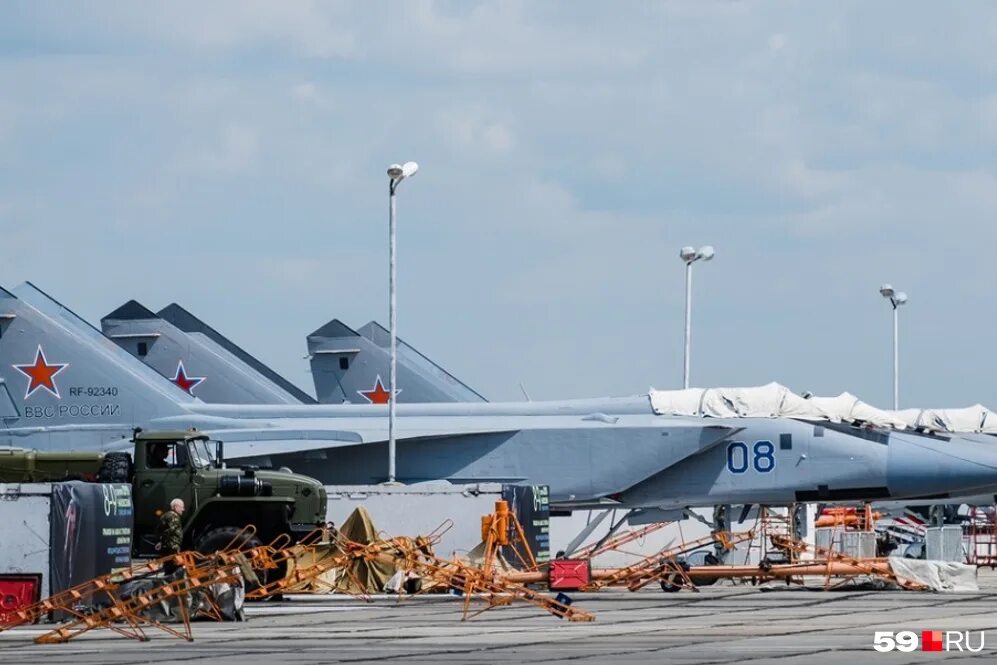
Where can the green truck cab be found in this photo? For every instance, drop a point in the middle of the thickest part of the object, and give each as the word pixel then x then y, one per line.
pixel 187 465
pixel 219 502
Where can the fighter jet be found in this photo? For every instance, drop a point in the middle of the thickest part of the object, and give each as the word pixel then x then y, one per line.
pixel 67 386
pixel 348 366
pixel 196 357
pixel 350 363
pixel 352 366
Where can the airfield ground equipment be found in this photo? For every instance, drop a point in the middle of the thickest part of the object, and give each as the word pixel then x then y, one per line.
pixel 981 536
pixel 107 602
pixel 617 541
pixel 489 580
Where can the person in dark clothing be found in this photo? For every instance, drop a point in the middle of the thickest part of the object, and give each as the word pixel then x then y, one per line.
pixel 158 452
pixel 171 533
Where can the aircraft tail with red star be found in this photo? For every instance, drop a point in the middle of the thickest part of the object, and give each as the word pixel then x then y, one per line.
pixel 354 366
pixel 64 385
pixel 196 357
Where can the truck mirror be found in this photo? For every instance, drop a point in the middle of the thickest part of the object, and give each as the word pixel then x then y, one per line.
pixel 219 456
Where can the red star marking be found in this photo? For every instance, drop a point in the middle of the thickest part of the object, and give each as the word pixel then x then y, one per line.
pixel 186 383
pixel 41 374
pixel 378 394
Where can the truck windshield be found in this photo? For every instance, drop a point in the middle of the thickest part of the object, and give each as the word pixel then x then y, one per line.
pixel 203 453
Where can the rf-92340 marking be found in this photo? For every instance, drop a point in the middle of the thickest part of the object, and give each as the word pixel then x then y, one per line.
pixel 93 391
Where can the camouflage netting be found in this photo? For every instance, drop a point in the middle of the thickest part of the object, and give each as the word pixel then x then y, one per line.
pixel 363 575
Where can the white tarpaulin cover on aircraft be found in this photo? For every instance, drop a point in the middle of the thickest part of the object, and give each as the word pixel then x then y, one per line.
pixel 757 402
pixel 976 418
pixel 849 408
pixel 769 401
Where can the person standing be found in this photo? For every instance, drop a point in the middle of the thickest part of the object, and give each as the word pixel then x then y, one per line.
pixel 171 533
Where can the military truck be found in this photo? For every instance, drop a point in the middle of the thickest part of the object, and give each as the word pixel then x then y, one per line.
pixel 188 465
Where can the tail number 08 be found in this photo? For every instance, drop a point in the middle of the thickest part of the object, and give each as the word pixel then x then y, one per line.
pixel 760 457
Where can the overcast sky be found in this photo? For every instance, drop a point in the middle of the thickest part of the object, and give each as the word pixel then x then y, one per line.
pixel 231 156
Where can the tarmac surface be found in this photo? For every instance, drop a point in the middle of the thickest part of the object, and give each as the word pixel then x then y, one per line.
pixel 718 625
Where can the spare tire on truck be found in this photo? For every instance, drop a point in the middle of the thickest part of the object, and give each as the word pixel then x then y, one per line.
pixel 115 468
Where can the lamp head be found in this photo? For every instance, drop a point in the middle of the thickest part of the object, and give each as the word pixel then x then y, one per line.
pixel 706 252
pixel 886 290
pixel 409 169
pixel 687 254
pixel 402 171
pixel 900 298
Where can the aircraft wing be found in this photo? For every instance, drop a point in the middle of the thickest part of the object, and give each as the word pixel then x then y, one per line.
pixel 248 443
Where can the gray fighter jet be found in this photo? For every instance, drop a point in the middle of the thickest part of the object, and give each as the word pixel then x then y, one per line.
pixel 348 366
pixel 67 386
pixel 196 357
pixel 344 362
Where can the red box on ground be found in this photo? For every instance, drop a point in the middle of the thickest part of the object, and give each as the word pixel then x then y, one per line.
pixel 17 591
pixel 568 574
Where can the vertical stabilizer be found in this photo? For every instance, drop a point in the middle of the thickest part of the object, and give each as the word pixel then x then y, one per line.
pixel 353 366
pixel 190 324
pixel 64 384
pixel 193 361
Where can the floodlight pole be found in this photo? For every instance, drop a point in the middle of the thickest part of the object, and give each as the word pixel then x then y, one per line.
pixel 896 299
pixel 690 256
pixel 392 324
pixel 688 323
pixel 896 355
pixel 396 173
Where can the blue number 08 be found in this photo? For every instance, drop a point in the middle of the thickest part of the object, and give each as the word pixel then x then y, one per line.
pixel 762 456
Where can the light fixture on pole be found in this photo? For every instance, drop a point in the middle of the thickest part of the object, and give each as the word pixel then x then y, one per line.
pixel 690 256
pixel 396 174
pixel 896 299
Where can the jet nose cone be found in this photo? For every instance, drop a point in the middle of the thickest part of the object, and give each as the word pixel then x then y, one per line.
pixel 922 467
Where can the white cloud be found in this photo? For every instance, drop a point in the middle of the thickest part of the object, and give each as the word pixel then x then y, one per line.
pixel 475 129
pixel 235 150
pixel 304 27
pixel 305 91
pixel 567 154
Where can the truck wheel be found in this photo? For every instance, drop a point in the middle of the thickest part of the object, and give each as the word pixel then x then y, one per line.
pixel 223 537
pixel 115 468
pixel 673 582
pixel 709 560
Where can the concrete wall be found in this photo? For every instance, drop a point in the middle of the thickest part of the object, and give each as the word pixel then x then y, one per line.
pixel 411 510
pixel 24 540
pixel 414 510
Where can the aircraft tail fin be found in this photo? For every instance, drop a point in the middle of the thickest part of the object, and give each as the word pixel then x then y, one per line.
pixel 188 323
pixel 132 310
pixel 197 358
pixel 60 374
pixel 353 366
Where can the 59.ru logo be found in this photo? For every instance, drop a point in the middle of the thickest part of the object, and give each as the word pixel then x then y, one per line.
pixel 931 640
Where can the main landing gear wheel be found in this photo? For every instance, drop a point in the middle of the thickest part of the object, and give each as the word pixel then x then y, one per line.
pixel 674 582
